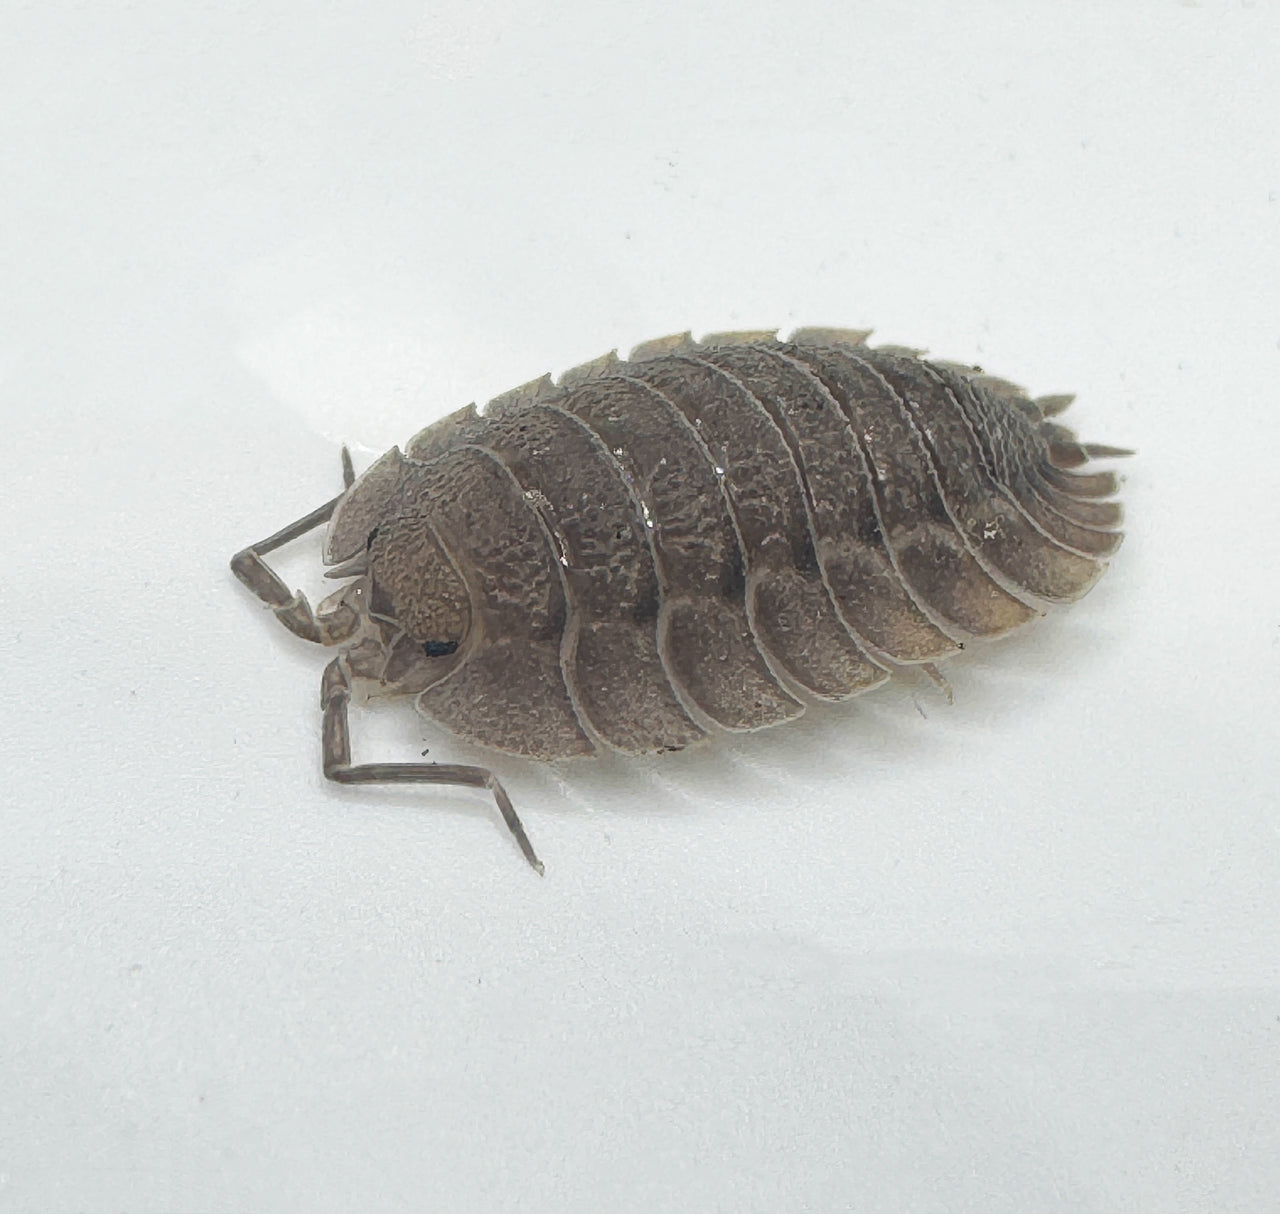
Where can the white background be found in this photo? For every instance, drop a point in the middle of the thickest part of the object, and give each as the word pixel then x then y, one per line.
pixel 1019 954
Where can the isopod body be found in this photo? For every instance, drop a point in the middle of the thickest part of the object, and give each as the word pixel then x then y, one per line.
pixel 699 538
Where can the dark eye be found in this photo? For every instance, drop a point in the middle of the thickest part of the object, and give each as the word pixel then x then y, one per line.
pixel 439 649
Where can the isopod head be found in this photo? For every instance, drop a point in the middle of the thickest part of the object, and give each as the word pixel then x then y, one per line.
pixel 415 584
pixel 410 606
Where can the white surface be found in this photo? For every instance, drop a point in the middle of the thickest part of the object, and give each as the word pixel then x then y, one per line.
pixel 1018 954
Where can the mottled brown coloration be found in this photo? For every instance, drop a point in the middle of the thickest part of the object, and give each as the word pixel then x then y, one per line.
pixel 698 538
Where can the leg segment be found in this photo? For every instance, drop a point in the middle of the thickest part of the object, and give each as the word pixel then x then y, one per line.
pixel 938 679
pixel 335 693
pixel 293 610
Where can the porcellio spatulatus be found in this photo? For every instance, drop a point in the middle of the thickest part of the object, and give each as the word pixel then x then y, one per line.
pixel 699 538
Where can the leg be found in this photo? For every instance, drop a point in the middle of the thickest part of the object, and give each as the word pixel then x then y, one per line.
pixel 293 610
pixel 938 679
pixel 335 693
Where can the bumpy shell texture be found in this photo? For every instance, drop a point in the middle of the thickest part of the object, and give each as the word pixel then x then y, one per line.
pixel 706 534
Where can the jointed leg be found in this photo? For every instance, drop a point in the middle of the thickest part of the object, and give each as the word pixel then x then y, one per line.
pixel 335 693
pixel 293 610
pixel 938 679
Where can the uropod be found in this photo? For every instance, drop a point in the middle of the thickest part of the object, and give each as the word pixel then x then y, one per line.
pixel 699 539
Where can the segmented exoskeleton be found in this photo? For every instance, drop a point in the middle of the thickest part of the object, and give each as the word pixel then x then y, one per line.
pixel 696 539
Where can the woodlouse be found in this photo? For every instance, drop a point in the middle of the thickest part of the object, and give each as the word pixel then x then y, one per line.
pixel 696 539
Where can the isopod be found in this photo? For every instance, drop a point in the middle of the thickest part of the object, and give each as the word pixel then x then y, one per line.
pixel 698 539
